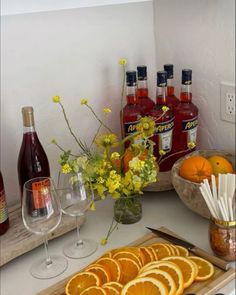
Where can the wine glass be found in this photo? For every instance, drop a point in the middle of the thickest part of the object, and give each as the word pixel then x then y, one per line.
pixel 76 198
pixel 41 213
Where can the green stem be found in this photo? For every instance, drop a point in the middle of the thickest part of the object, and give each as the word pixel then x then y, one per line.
pixel 160 161
pixel 96 135
pixel 60 148
pixel 122 93
pixel 99 120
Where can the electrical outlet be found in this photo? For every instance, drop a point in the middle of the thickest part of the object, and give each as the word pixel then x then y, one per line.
pixel 227 102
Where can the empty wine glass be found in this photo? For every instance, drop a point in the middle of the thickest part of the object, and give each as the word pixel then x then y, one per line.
pixel 41 213
pixel 76 198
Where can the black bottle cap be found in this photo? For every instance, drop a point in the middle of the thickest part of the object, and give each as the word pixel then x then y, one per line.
pixel 131 78
pixel 187 77
pixel 142 72
pixel 169 68
pixel 161 78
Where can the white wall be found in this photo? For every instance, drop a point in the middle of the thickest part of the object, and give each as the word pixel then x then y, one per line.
pixel 200 35
pixel 73 53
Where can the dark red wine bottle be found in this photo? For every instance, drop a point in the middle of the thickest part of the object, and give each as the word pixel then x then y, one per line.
pixel 4 220
pixel 32 159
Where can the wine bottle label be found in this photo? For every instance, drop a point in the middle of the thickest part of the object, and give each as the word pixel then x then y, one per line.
pixel 41 195
pixel 3 207
pixel 164 130
pixel 190 126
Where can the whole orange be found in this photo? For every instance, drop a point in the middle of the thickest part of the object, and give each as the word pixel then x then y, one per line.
pixel 220 165
pixel 196 168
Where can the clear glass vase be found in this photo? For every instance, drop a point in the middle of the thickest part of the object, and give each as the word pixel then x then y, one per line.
pixel 128 209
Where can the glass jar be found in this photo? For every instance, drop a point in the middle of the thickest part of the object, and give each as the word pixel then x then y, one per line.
pixel 128 209
pixel 222 238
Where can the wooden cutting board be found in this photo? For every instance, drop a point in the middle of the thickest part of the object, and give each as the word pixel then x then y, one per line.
pixel 209 287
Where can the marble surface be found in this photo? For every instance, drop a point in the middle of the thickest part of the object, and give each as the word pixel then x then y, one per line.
pixel 159 209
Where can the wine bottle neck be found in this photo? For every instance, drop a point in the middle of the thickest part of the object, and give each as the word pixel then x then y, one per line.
pixel 28 129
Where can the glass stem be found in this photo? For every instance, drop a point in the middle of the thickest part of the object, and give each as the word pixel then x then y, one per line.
pixel 79 241
pixel 48 258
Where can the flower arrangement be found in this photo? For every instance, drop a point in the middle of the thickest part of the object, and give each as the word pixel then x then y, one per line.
pixel 109 167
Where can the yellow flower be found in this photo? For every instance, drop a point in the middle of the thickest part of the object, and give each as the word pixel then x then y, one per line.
pixel 103 242
pixel 136 164
pixel 107 110
pixel 122 62
pixel 53 141
pixel 107 140
pixel 191 145
pixel 66 169
pixel 56 99
pixel 84 101
pixel 115 155
pixel 165 109
pixel 162 152
pixel 93 207
pixel 146 126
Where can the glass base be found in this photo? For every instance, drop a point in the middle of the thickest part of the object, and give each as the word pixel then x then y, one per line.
pixel 81 249
pixel 41 270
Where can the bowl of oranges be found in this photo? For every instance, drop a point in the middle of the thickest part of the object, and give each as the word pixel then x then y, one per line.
pixel 189 171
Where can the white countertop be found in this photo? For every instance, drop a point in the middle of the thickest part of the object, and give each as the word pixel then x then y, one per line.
pixel 159 209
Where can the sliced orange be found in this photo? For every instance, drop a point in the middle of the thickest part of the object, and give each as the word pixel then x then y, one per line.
pixel 130 269
pixel 127 254
pixel 163 277
pixel 162 250
pixel 148 254
pixel 182 251
pixel 149 265
pixel 205 268
pixel 172 251
pixel 100 270
pixel 186 266
pixel 113 267
pixel 175 250
pixel 93 291
pixel 107 254
pixel 134 250
pixel 111 290
pixel 154 253
pixel 116 285
pixel 173 270
pixel 144 286
pixel 80 282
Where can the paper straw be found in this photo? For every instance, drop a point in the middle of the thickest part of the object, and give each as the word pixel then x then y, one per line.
pixel 224 217
pixel 213 183
pixel 209 194
pixel 224 208
pixel 208 202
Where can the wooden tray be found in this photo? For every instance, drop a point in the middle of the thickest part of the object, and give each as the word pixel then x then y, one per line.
pixel 209 287
pixel 18 240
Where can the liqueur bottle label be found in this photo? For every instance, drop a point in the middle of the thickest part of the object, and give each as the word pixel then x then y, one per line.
pixel 165 132
pixel 130 127
pixel 3 207
pixel 190 126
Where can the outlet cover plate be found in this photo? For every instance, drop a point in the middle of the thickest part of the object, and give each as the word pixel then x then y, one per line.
pixel 227 102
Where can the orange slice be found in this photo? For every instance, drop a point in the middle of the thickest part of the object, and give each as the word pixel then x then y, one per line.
pixel 134 250
pixel 101 271
pixel 148 254
pixel 175 250
pixel 113 267
pixel 107 254
pixel 80 282
pixel 130 269
pixel 182 251
pixel 205 268
pixel 154 253
pixel 173 270
pixel 163 277
pixel 144 286
pixel 162 250
pixel 93 291
pixel 126 254
pixel 172 251
pixel 111 290
pixel 149 265
pixel 115 285
pixel 186 266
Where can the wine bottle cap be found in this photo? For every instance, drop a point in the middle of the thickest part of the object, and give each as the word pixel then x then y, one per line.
pixel 28 116
pixel 162 79
pixel 142 72
pixel 187 77
pixel 169 68
pixel 131 78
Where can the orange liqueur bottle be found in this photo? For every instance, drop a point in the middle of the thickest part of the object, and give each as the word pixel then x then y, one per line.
pixel 131 112
pixel 4 220
pixel 164 124
pixel 186 118
pixel 144 101
pixel 171 100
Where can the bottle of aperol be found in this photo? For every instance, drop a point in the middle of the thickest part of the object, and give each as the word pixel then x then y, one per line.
pixel 171 100
pixel 186 118
pixel 131 113
pixel 164 125
pixel 145 102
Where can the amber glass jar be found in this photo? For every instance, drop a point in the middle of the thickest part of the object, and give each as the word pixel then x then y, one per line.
pixel 222 236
